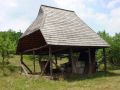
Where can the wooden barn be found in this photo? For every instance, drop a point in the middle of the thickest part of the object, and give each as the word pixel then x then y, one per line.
pixel 58 32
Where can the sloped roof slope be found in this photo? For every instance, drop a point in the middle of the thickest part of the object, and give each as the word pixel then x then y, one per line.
pixel 64 27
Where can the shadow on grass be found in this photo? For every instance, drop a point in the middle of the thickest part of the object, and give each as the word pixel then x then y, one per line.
pixel 71 78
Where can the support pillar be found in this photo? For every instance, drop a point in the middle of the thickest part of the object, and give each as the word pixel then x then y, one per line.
pixel 40 63
pixel 56 60
pixel 23 66
pixel 71 59
pixel 50 59
pixel 90 62
pixel 21 59
pixel 34 61
pixel 104 60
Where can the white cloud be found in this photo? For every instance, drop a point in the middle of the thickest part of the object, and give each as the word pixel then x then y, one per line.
pixel 7 16
pixel 109 21
pixel 115 12
pixel 112 3
pixel 70 4
pixel 18 14
pixel 13 4
pixel 20 24
pixel 8 3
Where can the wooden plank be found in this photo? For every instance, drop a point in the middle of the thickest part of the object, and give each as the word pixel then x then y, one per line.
pixel 104 60
pixel 23 65
pixel 50 59
pixel 27 67
pixel 90 62
pixel 34 61
pixel 71 60
pixel 35 49
pixel 56 61
pixel 21 58
pixel 40 63
pixel 42 71
pixel 25 71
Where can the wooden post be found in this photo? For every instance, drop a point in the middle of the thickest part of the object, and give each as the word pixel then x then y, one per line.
pixel 23 65
pixel 42 71
pixel 34 61
pixel 40 63
pixel 90 62
pixel 21 59
pixel 104 59
pixel 71 59
pixel 56 60
pixel 50 59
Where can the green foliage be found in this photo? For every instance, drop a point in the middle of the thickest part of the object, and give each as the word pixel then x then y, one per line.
pixel 8 42
pixel 113 53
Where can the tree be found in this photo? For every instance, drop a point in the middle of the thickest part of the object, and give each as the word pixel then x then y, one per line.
pixel 8 43
pixel 113 53
pixel 115 50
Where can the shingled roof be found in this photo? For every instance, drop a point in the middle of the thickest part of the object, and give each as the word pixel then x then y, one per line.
pixel 64 27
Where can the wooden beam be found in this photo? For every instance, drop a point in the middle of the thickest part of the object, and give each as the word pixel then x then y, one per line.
pixel 104 60
pixel 90 62
pixel 23 65
pixel 21 59
pixel 50 59
pixel 71 59
pixel 40 63
pixel 34 61
pixel 56 61
pixel 58 50
pixel 42 71
pixel 35 49
pixel 24 70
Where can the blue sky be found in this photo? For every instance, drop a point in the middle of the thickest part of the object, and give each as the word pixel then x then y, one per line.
pixel 98 14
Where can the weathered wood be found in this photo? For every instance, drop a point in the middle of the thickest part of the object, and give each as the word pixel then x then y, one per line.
pixel 104 60
pixel 21 58
pixel 56 61
pixel 50 59
pixel 90 62
pixel 61 49
pixel 35 49
pixel 34 61
pixel 23 66
pixel 25 71
pixel 71 60
pixel 93 60
pixel 27 67
pixel 42 71
pixel 40 63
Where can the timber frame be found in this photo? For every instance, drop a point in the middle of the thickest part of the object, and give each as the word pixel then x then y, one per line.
pixel 57 32
pixel 71 50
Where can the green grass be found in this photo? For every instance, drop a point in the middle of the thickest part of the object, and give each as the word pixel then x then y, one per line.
pixel 13 80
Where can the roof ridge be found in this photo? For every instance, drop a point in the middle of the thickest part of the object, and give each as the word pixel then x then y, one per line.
pixel 57 8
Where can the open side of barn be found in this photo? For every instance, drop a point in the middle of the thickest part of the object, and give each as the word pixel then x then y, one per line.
pixel 58 32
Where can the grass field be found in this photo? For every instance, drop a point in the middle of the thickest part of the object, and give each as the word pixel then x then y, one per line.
pixel 13 80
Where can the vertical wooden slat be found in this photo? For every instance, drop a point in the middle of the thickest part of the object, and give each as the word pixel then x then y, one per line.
pixel 42 71
pixel 34 61
pixel 90 63
pixel 21 59
pixel 104 59
pixel 40 63
pixel 71 59
pixel 23 66
pixel 56 60
pixel 50 59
